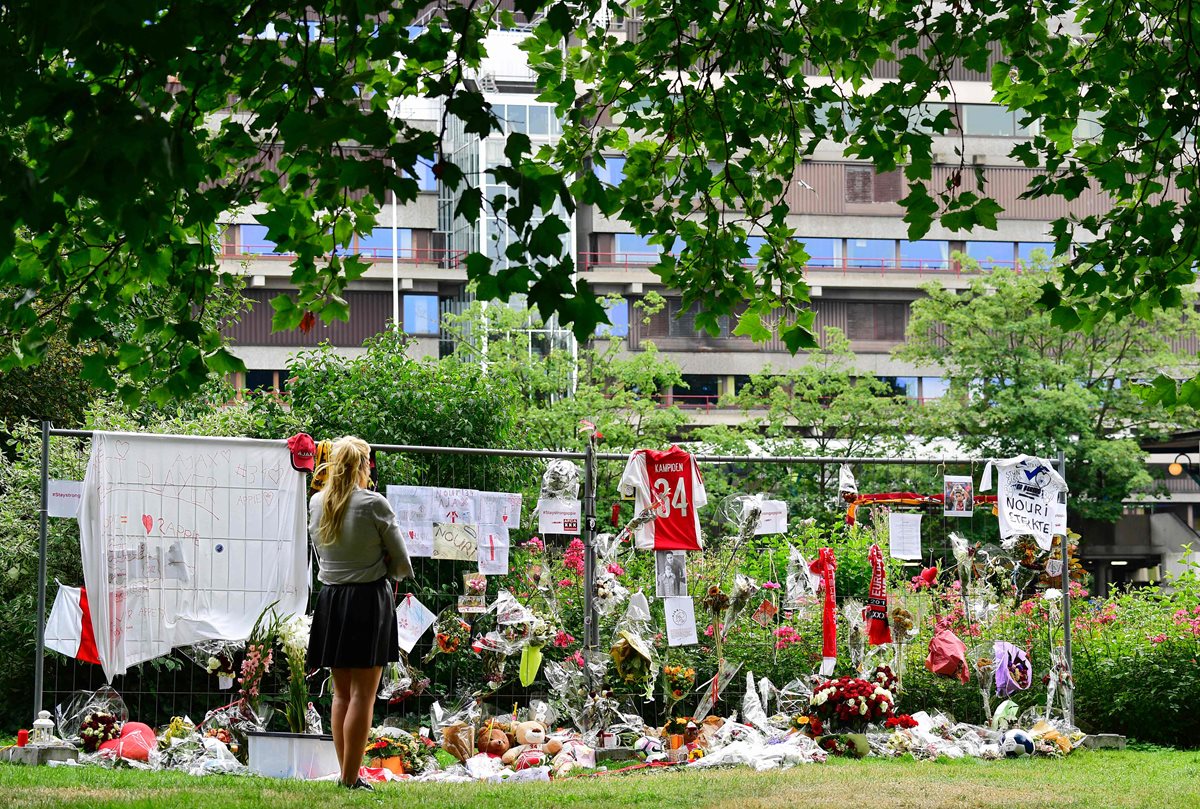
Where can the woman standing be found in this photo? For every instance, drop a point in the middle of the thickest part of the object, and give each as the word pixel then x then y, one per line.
pixel 359 547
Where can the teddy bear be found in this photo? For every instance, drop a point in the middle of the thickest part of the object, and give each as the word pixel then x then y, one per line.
pixel 532 750
pixel 493 740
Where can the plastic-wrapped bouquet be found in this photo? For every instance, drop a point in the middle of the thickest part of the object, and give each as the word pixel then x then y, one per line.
pixel 542 630
pixel 292 634
pixel 678 682
pixel 450 634
pixel 633 658
pixel 851 703
pixel 97 728
pixel 856 638
pixel 743 590
pixel 410 753
pixel 609 593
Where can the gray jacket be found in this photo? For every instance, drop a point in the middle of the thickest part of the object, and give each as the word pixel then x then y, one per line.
pixel 370 545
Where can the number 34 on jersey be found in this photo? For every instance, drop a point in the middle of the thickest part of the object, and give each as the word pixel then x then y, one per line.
pixel 669 482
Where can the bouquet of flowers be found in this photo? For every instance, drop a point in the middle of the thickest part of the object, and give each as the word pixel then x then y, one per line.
pixel 609 593
pixel 293 632
pixel 678 682
pixel 385 743
pixel 901 722
pixel 258 659
pixel 743 590
pixel 884 676
pixel 542 629
pixel 856 638
pixel 180 728
pixel 808 725
pixel 450 633
pixel 852 703
pixel 400 681
pixel 476 584
pixel 98 727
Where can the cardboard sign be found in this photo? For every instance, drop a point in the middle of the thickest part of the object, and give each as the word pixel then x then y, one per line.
pixel 63 498
pixel 559 516
pixel 455 541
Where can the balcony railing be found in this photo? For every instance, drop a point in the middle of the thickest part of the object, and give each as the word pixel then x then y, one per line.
pixel 707 402
pixel 633 262
pixel 406 255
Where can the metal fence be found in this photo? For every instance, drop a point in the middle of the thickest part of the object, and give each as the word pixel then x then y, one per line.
pixel 176 685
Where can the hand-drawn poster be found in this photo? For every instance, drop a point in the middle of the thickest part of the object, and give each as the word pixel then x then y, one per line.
pixel 414 514
pixel 455 540
pixel 500 508
pixel 493 550
pixel 455 505
pixel 186 539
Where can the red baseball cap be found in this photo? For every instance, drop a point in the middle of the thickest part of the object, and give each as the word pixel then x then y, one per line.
pixel 304 450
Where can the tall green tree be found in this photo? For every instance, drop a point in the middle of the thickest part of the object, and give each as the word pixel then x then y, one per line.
pixel 129 130
pixel 1021 382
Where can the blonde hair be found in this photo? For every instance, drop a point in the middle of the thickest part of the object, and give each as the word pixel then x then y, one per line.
pixel 347 469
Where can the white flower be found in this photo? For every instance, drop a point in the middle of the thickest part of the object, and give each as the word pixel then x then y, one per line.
pixel 213 665
pixel 863 709
pixel 1052 595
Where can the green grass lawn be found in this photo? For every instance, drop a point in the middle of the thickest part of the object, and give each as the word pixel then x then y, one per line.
pixel 1101 779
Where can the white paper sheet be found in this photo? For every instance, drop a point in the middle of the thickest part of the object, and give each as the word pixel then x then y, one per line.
pixel 493 550
pixel 63 498
pixel 904 535
pixel 455 541
pixel 557 516
pixel 681 621
pixel 412 620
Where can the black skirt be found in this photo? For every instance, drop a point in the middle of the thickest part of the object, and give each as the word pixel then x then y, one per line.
pixel 354 627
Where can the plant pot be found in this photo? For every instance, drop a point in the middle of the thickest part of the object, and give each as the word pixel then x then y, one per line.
pixel 292 755
pixel 393 763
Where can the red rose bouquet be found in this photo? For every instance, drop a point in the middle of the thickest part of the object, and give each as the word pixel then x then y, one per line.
pixel 851 703
pixel 900 722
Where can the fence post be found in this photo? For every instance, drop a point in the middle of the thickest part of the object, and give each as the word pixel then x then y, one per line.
pixel 1065 549
pixel 39 659
pixel 591 629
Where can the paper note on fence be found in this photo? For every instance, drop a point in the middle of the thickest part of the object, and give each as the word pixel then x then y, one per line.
pixel 63 497
pixel 455 505
pixel 773 519
pixel 904 535
pixel 559 516
pixel 500 508
pixel 455 541
pixel 681 621
pixel 493 550
pixel 412 619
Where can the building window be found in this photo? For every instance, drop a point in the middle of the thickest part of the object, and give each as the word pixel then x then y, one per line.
pixel 992 120
pixel 423 174
pixel 618 313
pixel 864 186
pixel 613 170
pixel 990 255
pixel 421 314
pixel 906 386
pixel 822 252
pixel 683 323
pixel 703 390
pixel 934 387
pixel 635 249
pixel 253 241
pixel 875 321
pixel 378 244
pixel 266 380
pixel 876 254
pixel 1026 250
pixel 926 254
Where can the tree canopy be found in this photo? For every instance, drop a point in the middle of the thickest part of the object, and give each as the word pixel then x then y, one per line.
pixel 128 131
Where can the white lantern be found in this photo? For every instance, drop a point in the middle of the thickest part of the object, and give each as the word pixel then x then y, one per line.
pixel 43 729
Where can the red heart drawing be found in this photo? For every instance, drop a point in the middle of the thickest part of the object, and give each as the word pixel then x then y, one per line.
pixel 147 521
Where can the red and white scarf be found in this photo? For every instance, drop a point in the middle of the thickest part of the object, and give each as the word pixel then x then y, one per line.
pixel 878 632
pixel 824 566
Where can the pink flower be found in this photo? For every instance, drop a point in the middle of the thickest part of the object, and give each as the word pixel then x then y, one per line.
pixel 1158 638
pixel 535 545
pixel 708 631
pixel 577 659
pixel 616 569
pixel 573 558
pixel 565 583
pixel 563 639
pixel 770 585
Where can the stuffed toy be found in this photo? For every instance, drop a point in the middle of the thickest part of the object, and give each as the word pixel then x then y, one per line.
pixel 532 749
pixel 574 754
pixel 492 740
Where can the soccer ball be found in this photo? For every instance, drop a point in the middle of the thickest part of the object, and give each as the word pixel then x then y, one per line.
pixel 1017 743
